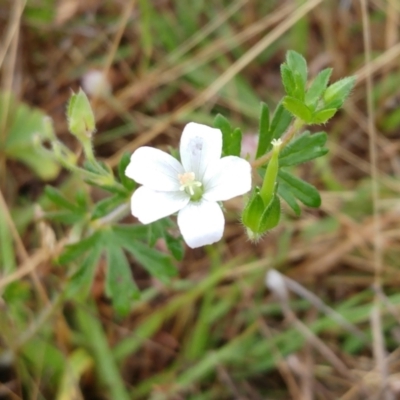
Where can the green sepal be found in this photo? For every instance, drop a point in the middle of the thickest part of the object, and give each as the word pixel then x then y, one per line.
pixel 271 215
pixel 253 212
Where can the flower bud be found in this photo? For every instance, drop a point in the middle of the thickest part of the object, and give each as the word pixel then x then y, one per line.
pixel 259 219
pixel 81 122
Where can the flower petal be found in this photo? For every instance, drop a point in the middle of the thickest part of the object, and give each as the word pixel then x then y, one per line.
pixel 149 205
pixel 230 177
pixel 201 223
pixel 200 147
pixel 154 169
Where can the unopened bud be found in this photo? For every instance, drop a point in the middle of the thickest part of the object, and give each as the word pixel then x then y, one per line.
pixel 81 122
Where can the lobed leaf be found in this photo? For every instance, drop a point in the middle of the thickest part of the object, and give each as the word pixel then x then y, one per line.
pixel 317 87
pixel 120 285
pixel 128 183
pixel 81 281
pixel 338 92
pixel 323 116
pixel 297 108
pixel 73 251
pixel 286 194
pixel 280 121
pixel 288 80
pixel 304 148
pixel 297 63
pixel 302 190
pixel 105 206
pixel 264 132
pixel 231 138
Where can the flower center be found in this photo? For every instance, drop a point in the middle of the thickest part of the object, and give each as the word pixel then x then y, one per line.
pixel 189 184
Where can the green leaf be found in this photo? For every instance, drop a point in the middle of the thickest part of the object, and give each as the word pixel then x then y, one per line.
pixel 73 251
pixel 297 63
pixel 280 121
pixel 300 88
pixel 158 264
pixel 119 281
pixel 323 116
pixel 304 148
pixel 338 92
pixel 128 183
pixel 105 206
pixel 224 126
pixel 264 133
pixel 288 80
pixel 175 246
pixel 318 87
pixel 23 126
pixel 297 108
pixel 286 194
pixel 65 216
pixel 231 138
pixel 236 142
pixel 81 281
pixel 60 200
pixel 302 156
pixel 302 190
pixel 128 232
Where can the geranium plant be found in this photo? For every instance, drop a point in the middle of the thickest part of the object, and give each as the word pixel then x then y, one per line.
pixel 209 171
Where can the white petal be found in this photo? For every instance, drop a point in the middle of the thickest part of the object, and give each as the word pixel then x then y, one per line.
pixel 201 223
pixel 149 205
pixel 230 177
pixel 200 147
pixel 155 169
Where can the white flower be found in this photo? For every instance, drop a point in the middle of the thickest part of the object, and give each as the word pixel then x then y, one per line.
pixel 192 188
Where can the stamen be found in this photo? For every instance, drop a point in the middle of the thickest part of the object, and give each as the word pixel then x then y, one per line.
pixel 190 185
